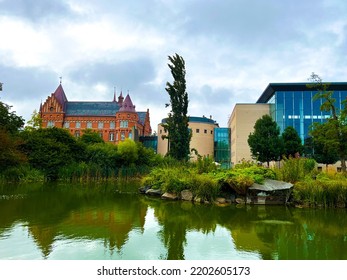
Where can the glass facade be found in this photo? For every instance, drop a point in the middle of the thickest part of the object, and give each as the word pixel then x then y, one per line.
pixel 149 142
pixel 297 108
pixel 222 146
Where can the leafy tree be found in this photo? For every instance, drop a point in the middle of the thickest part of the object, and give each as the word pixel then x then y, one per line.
pixel 104 155
pixel 10 155
pixel 9 120
pixel 177 121
pixel 10 123
pixel 291 142
pixel 90 137
pixel 35 122
pixel 331 135
pixel 50 149
pixel 128 152
pixel 265 142
pixel 319 152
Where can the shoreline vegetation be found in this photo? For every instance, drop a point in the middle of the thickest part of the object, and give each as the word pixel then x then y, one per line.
pixel 203 181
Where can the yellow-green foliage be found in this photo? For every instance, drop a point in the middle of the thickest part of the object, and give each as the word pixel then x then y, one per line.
pixel 176 179
pixel 243 176
pixel 325 191
pixel 295 169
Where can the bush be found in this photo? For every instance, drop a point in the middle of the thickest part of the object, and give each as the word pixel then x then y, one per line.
pixel 241 178
pixel 295 169
pixel 321 192
pixel 177 179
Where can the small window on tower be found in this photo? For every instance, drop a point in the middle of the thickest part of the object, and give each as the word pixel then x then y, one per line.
pixel 51 109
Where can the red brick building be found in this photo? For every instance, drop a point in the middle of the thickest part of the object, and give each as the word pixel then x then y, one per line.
pixel 114 121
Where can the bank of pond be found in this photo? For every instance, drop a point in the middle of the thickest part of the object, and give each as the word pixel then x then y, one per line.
pixel 296 182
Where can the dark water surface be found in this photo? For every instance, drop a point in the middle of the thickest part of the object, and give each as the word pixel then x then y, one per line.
pixel 110 221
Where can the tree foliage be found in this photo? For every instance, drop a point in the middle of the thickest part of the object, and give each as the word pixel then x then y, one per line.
pixel 177 121
pixel 10 124
pixel 332 134
pixel 35 121
pixel 265 142
pixel 9 121
pixel 291 142
pixel 90 137
pixel 50 149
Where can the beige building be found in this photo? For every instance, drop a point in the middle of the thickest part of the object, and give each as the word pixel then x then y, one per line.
pixel 202 140
pixel 241 124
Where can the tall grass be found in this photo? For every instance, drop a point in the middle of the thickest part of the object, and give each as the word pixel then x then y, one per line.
pixel 179 178
pixel 21 173
pixel 321 192
pixel 83 172
pixel 294 169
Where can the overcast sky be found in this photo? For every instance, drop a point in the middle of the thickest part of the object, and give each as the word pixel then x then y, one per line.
pixel 232 48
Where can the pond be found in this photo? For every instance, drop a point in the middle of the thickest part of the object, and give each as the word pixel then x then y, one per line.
pixel 107 221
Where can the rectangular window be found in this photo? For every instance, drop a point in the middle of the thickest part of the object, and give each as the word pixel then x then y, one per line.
pixel 77 133
pixel 78 124
pixel 122 136
pixel 111 136
pixel 112 125
pixel 123 124
pixel 50 124
pixel 197 130
pixel 100 125
pixel 100 134
pixel 205 130
pixel 130 135
pixel 66 124
pixel 116 136
pixel 89 125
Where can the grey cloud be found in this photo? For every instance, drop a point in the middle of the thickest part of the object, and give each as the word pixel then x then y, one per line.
pixel 35 10
pixel 126 74
pixel 22 84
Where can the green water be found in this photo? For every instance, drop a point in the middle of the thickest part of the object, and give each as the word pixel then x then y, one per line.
pixel 106 221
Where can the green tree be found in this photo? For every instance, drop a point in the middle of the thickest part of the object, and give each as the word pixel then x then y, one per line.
pixel 128 152
pixel 104 155
pixel 10 124
pixel 9 120
pixel 291 142
pixel 265 142
pixel 50 149
pixel 90 137
pixel 10 154
pixel 332 134
pixel 177 121
pixel 320 153
pixel 35 122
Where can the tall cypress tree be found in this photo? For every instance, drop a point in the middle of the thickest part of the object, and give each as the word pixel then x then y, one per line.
pixel 177 121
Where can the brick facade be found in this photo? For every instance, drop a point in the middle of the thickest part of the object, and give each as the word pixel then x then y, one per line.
pixel 114 121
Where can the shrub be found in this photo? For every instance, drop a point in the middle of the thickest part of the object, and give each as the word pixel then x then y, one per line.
pixel 295 169
pixel 321 192
pixel 241 178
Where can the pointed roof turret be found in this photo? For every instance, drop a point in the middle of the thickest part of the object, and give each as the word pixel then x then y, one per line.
pixel 127 105
pixel 120 98
pixel 59 94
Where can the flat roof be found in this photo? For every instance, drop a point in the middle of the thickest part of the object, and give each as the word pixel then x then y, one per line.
pixel 273 87
pixel 196 119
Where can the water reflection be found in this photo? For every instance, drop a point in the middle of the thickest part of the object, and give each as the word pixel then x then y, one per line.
pixel 114 222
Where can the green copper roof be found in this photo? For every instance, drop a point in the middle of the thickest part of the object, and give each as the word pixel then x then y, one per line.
pixel 91 108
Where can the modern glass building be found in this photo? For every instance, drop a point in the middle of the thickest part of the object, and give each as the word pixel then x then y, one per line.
pixel 292 104
pixel 222 146
pixel 149 142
